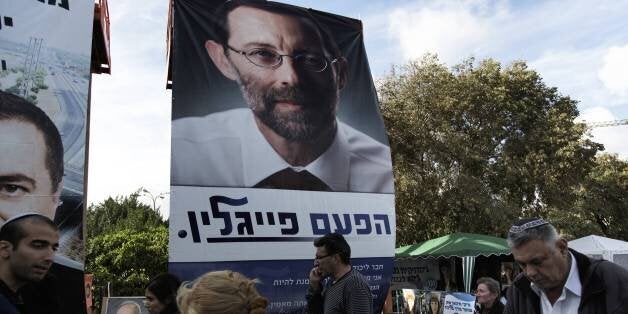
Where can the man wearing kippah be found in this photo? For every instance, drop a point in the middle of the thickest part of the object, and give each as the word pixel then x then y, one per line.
pixel 556 279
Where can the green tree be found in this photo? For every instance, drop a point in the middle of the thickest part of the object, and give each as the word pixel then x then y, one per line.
pixel 127 244
pixel 476 146
pixel 127 258
pixel 121 213
pixel 602 202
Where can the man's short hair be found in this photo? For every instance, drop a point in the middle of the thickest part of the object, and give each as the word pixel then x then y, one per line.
pixel 491 284
pixel 13 230
pixel 529 229
pixel 335 243
pixel 16 108
pixel 221 24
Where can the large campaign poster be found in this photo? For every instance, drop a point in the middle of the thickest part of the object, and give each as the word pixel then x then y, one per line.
pixel 276 140
pixel 45 49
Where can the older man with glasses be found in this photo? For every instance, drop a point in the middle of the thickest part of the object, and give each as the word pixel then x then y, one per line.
pixel 290 72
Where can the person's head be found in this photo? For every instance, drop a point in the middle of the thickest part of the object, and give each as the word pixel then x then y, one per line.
pixel 161 294
pixel 221 292
pixel 288 67
pixel 129 307
pixel 31 166
pixel 539 250
pixel 487 291
pixel 435 304
pixel 27 246
pixel 332 253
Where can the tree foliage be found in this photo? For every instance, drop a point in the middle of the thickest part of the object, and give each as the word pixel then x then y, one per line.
pixel 127 244
pixel 602 202
pixel 121 213
pixel 128 259
pixel 478 145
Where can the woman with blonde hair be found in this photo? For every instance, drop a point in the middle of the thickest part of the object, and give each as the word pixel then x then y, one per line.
pixel 221 292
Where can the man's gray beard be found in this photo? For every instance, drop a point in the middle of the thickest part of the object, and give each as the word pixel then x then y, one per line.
pixel 302 126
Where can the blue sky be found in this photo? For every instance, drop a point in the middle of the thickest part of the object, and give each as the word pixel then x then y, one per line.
pixel 580 47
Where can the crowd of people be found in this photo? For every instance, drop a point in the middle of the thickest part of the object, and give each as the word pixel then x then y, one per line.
pixel 554 278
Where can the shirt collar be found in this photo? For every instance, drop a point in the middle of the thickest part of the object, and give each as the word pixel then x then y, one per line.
pixel 260 160
pixel 573 282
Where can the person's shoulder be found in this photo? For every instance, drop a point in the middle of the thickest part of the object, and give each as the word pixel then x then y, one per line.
pixel 224 123
pixel 7 307
pixel 610 270
pixel 357 277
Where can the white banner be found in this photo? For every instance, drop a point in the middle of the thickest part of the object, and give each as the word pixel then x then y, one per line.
pixel 459 303
pixel 235 224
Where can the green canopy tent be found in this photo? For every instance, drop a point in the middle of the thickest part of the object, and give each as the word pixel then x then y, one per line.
pixel 464 245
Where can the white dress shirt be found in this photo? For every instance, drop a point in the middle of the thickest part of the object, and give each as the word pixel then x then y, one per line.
pixel 569 300
pixel 226 149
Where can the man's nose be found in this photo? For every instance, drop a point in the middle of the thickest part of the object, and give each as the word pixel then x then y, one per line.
pixel 530 271
pixel 50 255
pixel 287 72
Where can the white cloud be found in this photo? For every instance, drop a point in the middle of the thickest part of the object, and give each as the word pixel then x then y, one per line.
pixel 613 137
pixel 452 29
pixel 574 72
pixel 614 72
pixel 130 109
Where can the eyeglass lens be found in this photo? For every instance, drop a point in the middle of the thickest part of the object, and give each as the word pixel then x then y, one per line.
pixel 268 58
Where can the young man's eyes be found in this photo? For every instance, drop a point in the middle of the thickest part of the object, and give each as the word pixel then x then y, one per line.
pixel 43 245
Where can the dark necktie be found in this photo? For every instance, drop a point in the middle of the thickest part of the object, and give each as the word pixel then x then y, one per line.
pixel 288 179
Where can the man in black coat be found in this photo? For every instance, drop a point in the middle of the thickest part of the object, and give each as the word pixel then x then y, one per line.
pixel 557 279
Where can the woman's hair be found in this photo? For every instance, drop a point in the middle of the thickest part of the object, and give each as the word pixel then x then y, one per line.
pixel 221 292
pixel 490 283
pixel 165 287
pixel 436 299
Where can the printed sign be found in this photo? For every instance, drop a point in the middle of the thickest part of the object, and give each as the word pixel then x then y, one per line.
pixel 276 140
pixel 421 274
pixel 45 49
pixel 123 305
pixel 459 303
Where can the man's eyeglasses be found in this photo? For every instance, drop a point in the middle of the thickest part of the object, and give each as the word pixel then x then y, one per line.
pixel 321 257
pixel 267 58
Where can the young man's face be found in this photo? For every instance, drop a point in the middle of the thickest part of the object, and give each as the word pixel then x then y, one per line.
pixel 34 254
pixel 25 183
pixel 546 265
pixel 294 102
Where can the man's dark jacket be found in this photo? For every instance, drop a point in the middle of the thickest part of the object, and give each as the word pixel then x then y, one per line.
pixel 604 289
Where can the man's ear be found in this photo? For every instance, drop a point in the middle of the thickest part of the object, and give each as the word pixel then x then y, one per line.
pixel 341 72
pixel 216 52
pixel 5 249
pixel 561 245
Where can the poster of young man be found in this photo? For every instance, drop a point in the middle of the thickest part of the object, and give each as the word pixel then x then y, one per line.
pixel 276 140
pixel 45 52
